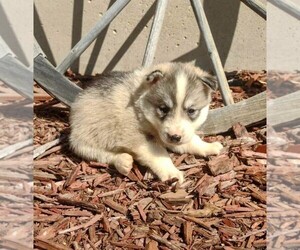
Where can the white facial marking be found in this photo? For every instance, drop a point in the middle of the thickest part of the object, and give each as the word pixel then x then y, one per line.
pixel 180 125
pixel 181 84
pixel 176 124
pixel 202 117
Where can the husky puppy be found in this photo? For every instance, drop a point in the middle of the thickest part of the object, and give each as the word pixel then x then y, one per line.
pixel 137 115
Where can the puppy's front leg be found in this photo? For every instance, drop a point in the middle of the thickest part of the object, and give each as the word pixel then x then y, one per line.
pixel 198 147
pixel 158 160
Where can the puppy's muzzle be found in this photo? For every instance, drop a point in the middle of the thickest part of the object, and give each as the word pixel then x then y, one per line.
pixel 174 138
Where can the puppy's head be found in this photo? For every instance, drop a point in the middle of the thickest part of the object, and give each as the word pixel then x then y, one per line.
pixel 176 100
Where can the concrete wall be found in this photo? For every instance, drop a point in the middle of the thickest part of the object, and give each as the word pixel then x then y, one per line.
pixel 239 34
pixel 16 20
pixel 283 39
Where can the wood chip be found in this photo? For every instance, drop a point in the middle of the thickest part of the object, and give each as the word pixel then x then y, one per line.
pixel 187 232
pixel 92 221
pixel 220 165
pixel 71 178
pixel 49 245
pixel 115 206
pixel 142 213
pixel 85 205
pixel 152 245
pixel 11 244
pixel 163 241
pixel 208 211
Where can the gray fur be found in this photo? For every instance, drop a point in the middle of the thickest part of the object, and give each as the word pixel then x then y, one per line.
pixel 210 81
pixel 107 82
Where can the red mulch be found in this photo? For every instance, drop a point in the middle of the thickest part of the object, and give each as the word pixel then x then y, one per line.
pixel 87 205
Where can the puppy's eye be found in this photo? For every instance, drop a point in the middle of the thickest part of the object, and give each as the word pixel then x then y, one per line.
pixel 191 111
pixel 163 110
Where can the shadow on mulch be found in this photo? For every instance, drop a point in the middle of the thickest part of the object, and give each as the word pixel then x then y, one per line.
pixel 52 113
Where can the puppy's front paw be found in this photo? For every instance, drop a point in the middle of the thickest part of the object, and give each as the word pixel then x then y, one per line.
pixel 167 173
pixel 123 163
pixel 214 148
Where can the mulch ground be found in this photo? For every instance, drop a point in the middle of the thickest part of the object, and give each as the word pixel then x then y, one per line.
pixel 283 169
pixel 16 219
pixel 87 205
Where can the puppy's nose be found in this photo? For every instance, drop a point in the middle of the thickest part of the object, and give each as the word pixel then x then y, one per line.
pixel 174 138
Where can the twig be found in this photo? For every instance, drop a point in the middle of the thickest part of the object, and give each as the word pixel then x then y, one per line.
pixel 96 218
pixel 15 147
pixel 88 206
pixel 22 151
pixel 43 148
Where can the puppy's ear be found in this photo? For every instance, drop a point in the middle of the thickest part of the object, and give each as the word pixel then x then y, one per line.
pixel 210 81
pixel 154 77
